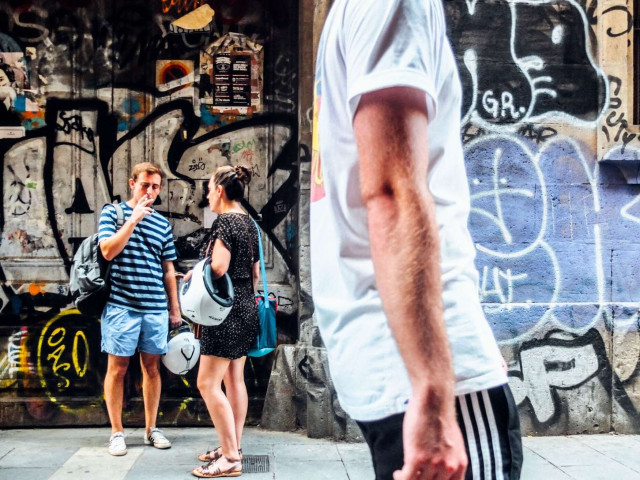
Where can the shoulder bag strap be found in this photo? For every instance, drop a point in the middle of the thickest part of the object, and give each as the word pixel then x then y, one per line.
pixel 262 270
pixel 208 251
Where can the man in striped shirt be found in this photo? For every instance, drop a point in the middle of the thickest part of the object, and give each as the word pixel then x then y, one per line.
pixel 136 316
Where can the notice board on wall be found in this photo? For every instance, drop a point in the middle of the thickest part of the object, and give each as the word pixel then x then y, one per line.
pixel 231 75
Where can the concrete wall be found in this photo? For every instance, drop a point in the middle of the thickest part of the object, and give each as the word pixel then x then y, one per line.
pixel 554 224
pixel 552 159
pixel 93 106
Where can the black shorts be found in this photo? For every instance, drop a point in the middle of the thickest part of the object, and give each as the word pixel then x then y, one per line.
pixel 491 428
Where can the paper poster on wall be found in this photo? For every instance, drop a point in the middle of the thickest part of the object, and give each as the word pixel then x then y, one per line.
pixel 232 80
pixel 198 20
pixel 16 95
pixel 231 75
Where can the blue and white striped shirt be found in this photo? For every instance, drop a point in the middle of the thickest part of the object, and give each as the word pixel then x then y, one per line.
pixel 136 273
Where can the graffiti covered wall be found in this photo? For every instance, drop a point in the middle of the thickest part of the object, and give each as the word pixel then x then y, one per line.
pixel 553 162
pixel 89 88
pixel 546 123
pixel 552 158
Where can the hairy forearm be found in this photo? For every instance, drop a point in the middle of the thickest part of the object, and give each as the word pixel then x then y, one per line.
pixel 390 127
pixel 406 256
pixel 170 287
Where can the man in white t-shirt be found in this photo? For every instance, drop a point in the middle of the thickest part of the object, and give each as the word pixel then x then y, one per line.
pixel 412 357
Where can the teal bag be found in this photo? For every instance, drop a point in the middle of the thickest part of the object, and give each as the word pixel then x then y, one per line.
pixel 267 338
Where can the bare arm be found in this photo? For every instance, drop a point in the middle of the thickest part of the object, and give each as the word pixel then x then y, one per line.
pixel 112 246
pixel 391 127
pixel 220 259
pixel 170 286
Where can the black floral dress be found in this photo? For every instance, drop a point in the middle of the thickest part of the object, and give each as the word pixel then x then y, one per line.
pixel 233 337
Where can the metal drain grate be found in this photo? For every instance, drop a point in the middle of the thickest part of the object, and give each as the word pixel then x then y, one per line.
pixel 255 464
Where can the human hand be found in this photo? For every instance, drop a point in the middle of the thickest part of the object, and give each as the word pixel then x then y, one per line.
pixel 142 209
pixel 187 277
pixel 175 319
pixel 433 444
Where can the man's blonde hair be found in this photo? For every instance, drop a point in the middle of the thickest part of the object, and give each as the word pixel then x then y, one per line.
pixel 148 168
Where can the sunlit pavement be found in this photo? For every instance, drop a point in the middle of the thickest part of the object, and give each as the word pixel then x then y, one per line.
pixel 82 453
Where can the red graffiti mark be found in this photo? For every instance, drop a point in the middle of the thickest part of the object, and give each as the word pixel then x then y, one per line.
pixel 22 5
pixel 247 156
pixel 181 6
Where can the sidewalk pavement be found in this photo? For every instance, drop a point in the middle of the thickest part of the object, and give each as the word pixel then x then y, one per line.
pixel 79 453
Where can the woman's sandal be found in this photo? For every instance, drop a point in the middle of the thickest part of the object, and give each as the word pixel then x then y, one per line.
pixel 214 454
pixel 212 470
pixel 211 455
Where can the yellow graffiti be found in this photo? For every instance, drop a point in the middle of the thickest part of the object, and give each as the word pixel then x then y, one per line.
pixel 58 333
pixel 51 341
pixel 184 405
pixel 54 339
pixel 24 356
pixel 80 370
pixel 57 353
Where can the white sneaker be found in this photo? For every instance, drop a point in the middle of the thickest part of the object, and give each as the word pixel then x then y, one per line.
pixel 117 445
pixel 157 439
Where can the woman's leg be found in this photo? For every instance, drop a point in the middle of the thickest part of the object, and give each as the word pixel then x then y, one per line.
pixel 237 394
pixel 211 371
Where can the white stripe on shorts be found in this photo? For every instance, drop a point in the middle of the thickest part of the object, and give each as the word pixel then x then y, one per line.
pixel 471 439
pixel 493 428
pixel 485 429
pixel 482 435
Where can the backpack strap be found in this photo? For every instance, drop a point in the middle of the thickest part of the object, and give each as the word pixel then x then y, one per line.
pixel 119 224
pixel 119 215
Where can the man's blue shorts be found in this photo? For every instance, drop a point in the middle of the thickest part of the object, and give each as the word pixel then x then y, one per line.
pixel 125 330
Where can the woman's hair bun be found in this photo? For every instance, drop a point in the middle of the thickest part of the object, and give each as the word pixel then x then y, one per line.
pixel 243 174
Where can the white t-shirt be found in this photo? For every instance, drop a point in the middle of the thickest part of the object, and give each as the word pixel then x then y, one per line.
pixel 368 45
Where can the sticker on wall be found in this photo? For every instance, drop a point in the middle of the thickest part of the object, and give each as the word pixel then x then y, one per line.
pixel 231 75
pixel 174 79
pixel 16 94
pixel 199 20
pixel 12 132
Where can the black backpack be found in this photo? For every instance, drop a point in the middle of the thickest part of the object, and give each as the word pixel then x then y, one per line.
pixel 89 276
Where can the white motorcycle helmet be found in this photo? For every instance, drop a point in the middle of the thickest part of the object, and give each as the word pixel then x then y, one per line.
pixel 183 350
pixel 204 300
